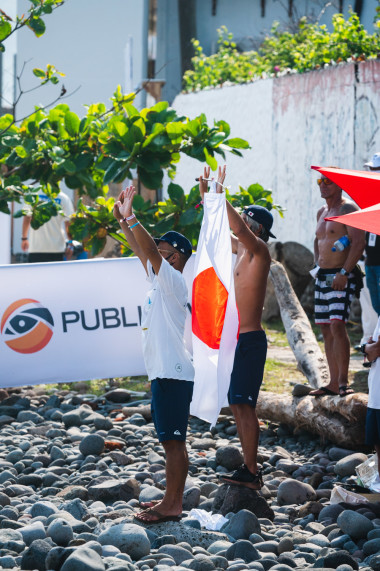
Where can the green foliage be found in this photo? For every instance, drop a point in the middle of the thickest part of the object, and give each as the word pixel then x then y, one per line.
pixel 312 46
pixel 32 19
pixel 179 212
pixel 104 146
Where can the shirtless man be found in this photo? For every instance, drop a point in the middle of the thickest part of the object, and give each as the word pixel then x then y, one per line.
pixel 335 284
pixel 252 231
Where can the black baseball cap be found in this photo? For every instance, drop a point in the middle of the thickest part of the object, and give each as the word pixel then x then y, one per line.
pixel 178 241
pixel 260 215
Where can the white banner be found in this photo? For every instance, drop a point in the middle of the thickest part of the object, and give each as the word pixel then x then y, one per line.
pixel 73 321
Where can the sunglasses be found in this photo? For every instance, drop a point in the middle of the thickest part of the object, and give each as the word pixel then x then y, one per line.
pixel 325 181
pixel 168 251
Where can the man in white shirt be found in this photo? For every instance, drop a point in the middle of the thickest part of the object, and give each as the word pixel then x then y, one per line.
pixel 168 364
pixel 48 243
pixel 372 429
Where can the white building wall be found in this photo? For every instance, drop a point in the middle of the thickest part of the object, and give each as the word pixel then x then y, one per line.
pixel 328 117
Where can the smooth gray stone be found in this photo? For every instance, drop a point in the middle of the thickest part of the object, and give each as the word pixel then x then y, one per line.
pixel 11 540
pixel 92 444
pixel 61 532
pixel 43 508
pixel 190 498
pixel 229 457
pixel 243 549
pixel 354 524
pixel 83 559
pixel 25 415
pixel 294 492
pixel 346 466
pixel 34 530
pixel 35 556
pixel 242 524
pixel 218 545
pixel 150 493
pixel 371 547
pixel 178 553
pixel 330 512
pixel 128 537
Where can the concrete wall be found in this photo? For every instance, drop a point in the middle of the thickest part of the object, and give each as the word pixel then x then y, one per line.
pixel 329 117
pixel 244 19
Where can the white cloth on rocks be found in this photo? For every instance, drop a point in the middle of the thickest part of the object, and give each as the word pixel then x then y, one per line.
pixel 210 521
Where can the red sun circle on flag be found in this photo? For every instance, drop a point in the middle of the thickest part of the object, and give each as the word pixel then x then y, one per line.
pixel 209 302
pixel 27 326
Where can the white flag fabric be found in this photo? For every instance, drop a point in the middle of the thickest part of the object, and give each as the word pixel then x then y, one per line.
pixel 215 319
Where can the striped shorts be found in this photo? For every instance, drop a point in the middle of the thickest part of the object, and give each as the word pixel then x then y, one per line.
pixel 329 303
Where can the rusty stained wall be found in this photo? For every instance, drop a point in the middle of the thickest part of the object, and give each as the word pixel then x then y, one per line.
pixel 328 117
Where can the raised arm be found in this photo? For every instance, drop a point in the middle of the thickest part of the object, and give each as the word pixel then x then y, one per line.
pixel 238 226
pixel 25 232
pixel 139 240
pixel 203 187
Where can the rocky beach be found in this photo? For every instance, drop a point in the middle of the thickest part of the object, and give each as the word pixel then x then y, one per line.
pixel 74 468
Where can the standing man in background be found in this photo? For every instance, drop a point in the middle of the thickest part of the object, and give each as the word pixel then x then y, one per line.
pixel 335 284
pixel 48 243
pixel 372 250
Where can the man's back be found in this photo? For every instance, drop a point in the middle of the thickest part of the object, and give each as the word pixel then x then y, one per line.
pixel 251 275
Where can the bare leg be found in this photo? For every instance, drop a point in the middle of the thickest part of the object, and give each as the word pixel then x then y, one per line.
pixel 177 465
pixel 248 428
pixel 341 348
pixel 328 339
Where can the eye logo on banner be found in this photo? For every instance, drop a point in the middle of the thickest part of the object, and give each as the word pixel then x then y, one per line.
pixel 27 326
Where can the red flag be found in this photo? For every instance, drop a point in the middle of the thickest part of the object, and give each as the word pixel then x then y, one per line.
pixel 362 186
pixel 367 219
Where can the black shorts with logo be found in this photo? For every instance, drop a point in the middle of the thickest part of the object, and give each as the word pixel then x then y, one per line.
pixel 170 407
pixel 248 369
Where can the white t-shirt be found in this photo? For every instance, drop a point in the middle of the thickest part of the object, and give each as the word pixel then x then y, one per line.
pixel 374 376
pixel 51 237
pixel 163 326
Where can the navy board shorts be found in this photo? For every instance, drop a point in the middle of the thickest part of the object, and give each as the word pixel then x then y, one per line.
pixel 248 369
pixel 170 408
pixel 372 426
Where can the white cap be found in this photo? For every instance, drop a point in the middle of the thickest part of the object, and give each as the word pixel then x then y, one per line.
pixel 375 162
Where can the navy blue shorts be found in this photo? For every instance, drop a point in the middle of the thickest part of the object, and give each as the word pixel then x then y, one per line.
pixel 170 407
pixel 248 370
pixel 372 426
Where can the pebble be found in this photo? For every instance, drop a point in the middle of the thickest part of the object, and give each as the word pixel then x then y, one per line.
pixel 67 498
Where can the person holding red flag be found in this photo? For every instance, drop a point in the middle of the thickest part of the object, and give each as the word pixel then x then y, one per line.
pixel 251 232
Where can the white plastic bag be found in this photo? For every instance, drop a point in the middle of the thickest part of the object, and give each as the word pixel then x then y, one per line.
pixel 340 494
pixel 210 521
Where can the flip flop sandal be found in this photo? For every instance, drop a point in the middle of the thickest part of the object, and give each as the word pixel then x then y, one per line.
pixel 345 390
pixel 161 518
pixel 324 392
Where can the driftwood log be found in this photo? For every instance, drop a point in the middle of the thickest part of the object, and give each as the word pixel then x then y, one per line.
pixel 340 420
pixel 302 341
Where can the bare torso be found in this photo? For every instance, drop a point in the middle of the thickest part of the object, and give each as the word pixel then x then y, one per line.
pixel 328 232
pixel 251 275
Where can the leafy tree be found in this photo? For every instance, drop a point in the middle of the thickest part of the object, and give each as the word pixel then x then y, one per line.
pixel 104 146
pixel 33 19
pixel 312 46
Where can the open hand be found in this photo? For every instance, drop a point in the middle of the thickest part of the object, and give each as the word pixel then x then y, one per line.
pixel 123 206
pixel 221 177
pixel 203 184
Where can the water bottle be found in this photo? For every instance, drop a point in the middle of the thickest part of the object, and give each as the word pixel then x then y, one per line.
pixel 341 244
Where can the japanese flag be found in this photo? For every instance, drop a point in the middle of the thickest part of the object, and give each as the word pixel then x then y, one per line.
pixel 215 319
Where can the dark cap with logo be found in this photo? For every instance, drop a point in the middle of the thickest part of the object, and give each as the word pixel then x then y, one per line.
pixel 178 241
pixel 260 215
